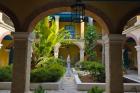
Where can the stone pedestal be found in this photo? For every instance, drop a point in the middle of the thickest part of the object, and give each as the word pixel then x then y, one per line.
pixel 138 59
pixel 113 63
pixel 22 62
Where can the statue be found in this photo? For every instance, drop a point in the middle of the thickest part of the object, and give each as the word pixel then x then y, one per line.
pixel 68 67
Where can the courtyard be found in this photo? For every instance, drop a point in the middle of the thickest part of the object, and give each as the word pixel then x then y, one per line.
pixel 69 46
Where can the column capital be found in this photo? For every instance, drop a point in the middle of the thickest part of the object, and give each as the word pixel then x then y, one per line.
pixel 113 38
pixel 57 17
pixel 23 36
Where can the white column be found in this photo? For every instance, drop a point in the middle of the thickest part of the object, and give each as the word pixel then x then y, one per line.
pixel 90 21
pixel 57 22
pixel 82 29
pixel 138 20
pixel 56 52
pixel 1 45
pixel 138 58
pixel 81 54
pixel 1 17
pixel 103 53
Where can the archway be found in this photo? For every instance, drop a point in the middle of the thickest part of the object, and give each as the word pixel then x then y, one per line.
pixel 96 14
pixel 72 50
pixel 101 21
pixel 6 39
pixel 130 56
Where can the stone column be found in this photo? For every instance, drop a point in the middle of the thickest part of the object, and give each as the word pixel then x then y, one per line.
pixel 90 20
pixel 22 62
pixel 103 53
pixel 1 17
pixel 81 55
pixel 56 52
pixel 1 45
pixel 138 58
pixel 113 63
pixel 82 29
pixel 138 20
pixel 57 22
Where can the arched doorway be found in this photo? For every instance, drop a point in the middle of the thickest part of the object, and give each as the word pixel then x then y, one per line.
pixel 72 50
pixel 131 30
pixel 130 55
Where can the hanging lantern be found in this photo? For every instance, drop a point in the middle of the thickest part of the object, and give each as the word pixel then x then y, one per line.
pixel 78 12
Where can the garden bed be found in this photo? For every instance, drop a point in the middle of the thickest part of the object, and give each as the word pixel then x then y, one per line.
pixel 45 85
pixel 128 87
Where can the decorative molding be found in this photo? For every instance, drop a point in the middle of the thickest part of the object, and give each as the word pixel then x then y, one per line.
pixel 133 28
pixel 7 27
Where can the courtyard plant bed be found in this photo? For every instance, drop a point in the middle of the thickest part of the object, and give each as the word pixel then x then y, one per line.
pixel 85 81
pixel 48 75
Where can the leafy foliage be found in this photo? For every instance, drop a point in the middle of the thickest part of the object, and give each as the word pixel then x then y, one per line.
pixel 96 69
pixel 47 36
pixel 91 37
pixel 40 90
pixel 6 73
pixel 51 60
pixel 50 71
pixel 95 90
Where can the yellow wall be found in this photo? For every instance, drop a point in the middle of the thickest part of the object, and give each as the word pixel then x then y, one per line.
pixel 4 54
pixel 73 51
pixel 77 26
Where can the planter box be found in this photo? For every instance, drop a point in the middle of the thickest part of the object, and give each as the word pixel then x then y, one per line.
pixel 47 86
pixel 128 87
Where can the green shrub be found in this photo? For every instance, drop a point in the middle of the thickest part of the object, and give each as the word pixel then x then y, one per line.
pixel 83 65
pixel 48 73
pixel 51 60
pixel 6 74
pixel 96 69
pixel 39 90
pixel 55 72
pixel 39 74
pixel 95 90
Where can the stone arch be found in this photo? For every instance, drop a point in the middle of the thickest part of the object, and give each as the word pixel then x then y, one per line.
pixel 130 14
pixel 12 16
pixel 37 15
pixel 3 34
pixel 128 37
pixel 72 50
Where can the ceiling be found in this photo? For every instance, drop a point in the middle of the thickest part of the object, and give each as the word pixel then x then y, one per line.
pixel 114 13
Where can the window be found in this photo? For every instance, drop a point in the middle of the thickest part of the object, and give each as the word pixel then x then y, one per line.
pixel 71 29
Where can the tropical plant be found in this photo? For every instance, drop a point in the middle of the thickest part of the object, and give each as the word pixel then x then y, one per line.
pixel 6 73
pixel 47 36
pixel 40 90
pixel 95 90
pixel 51 60
pixel 91 38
